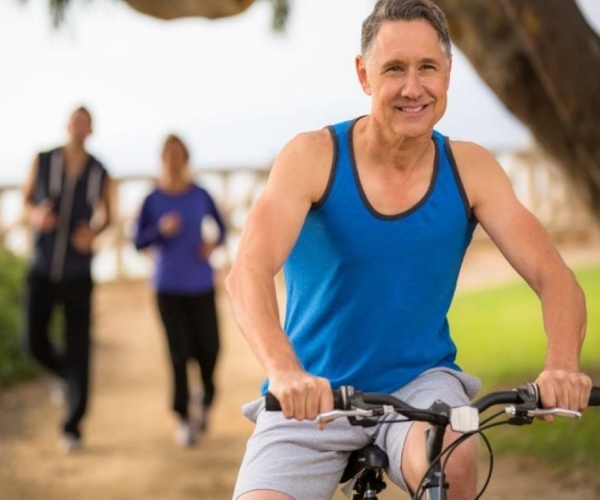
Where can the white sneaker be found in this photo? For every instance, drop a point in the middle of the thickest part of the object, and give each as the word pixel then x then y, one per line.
pixel 70 443
pixel 184 435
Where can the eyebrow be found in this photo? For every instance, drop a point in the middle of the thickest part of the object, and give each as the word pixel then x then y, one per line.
pixel 430 60
pixel 401 62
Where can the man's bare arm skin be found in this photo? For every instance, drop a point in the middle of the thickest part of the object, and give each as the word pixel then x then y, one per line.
pixel 298 179
pixel 528 248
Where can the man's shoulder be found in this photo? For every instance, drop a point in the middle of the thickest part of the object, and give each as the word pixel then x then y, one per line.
pixel 306 147
pixel 94 161
pixel 44 158
pixel 46 153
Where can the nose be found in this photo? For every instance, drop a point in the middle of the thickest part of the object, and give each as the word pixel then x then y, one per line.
pixel 411 87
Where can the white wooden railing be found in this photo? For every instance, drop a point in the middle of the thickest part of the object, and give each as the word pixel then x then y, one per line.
pixel 538 183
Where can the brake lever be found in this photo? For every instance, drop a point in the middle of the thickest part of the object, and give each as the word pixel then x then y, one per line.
pixel 542 412
pixel 330 416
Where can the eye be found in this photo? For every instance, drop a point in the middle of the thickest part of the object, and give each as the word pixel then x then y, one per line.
pixel 393 68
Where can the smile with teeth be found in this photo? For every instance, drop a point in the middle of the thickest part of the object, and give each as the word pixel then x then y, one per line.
pixel 411 109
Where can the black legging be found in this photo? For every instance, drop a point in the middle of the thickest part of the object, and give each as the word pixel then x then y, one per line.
pixel 71 362
pixel 191 326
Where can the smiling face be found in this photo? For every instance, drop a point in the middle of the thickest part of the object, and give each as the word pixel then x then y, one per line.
pixel 406 71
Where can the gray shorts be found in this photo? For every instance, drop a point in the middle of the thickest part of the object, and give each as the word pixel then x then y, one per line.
pixel 305 463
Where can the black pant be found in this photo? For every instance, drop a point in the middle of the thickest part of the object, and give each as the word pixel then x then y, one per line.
pixel 191 326
pixel 71 361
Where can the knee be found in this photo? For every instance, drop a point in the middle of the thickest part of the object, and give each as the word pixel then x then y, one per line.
pixel 461 470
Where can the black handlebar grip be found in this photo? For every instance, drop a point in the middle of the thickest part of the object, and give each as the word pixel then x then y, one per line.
pixel 272 403
pixel 595 396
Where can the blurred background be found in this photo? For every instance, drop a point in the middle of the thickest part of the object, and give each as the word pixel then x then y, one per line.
pixel 234 88
pixel 237 90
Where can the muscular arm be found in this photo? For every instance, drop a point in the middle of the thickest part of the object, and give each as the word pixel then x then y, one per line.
pixel 297 180
pixel 526 245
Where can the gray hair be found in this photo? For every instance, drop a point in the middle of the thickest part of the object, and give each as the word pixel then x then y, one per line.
pixel 405 10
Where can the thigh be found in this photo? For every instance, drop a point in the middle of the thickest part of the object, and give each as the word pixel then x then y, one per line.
pixel 202 324
pixel 295 457
pixel 452 387
pixel 77 300
pixel 40 299
pixel 173 316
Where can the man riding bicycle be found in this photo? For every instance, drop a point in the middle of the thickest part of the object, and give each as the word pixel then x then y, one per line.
pixel 370 220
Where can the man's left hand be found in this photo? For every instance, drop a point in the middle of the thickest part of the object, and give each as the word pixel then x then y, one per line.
pixel 568 389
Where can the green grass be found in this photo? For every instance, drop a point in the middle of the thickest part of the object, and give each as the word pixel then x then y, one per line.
pixel 500 338
pixel 14 366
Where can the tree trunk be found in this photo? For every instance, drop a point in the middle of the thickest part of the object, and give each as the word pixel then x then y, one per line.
pixel 172 9
pixel 542 60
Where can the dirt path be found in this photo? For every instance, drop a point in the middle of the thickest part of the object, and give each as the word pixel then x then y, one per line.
pixel 129 451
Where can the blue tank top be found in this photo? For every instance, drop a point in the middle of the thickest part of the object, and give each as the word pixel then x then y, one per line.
pixel 368 294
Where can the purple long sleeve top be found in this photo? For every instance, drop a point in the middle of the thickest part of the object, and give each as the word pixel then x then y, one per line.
pixel 180 267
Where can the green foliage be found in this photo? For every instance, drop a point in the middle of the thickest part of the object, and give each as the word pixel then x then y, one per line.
pixel 281 14
pixel 500 338
pixel 59 8
pixel 13 364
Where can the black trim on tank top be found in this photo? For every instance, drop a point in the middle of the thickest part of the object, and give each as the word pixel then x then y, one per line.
pixel 459 183
pixel 319 203
pixel 363 196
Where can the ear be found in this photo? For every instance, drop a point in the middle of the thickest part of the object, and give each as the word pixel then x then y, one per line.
pixel 449 72
pixel 361 71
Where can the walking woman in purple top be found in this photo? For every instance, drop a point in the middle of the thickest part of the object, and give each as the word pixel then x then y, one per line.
pixel 170 222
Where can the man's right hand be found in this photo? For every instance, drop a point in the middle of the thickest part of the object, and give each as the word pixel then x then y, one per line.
pixel 301 396
pixel 43 217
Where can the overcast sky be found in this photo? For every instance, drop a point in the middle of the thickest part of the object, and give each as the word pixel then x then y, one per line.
pixel 232 88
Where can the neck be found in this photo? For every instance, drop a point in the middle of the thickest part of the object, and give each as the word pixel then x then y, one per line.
pixel 405 153
pixel 75 148
pixel 173 184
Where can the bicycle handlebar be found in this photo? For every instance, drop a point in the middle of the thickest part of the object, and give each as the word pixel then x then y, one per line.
pixel 351 403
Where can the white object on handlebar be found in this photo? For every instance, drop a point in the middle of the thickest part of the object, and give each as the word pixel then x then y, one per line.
pixel 464 419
